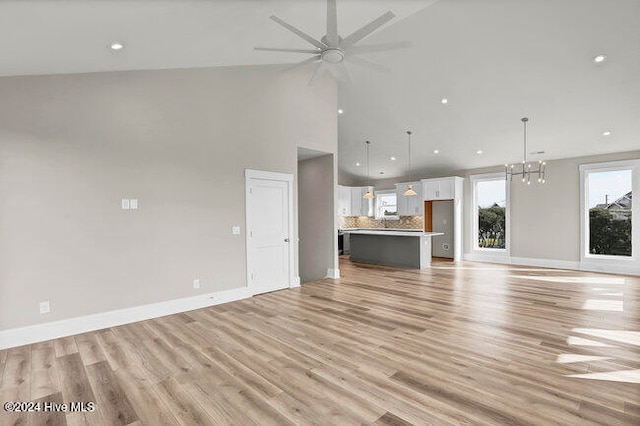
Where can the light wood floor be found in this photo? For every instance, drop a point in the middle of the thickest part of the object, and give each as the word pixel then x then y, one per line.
pixel 467 344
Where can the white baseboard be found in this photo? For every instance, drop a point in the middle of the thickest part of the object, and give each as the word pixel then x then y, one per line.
pixel 545 263
pixel 295 282
pixel 333 273
pixel 487 257
pixel 630 269
pixel 68 327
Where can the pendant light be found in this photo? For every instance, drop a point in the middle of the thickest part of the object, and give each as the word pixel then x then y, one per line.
pixel 368 194
pixel 526 169
pixel 410 191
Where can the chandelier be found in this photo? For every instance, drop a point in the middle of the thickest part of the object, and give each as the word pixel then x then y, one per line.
pixel 525 170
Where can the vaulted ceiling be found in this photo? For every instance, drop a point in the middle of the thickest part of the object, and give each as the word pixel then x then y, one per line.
pixel 495 61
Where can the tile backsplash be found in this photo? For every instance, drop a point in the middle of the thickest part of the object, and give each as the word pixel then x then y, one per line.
pixel 405 222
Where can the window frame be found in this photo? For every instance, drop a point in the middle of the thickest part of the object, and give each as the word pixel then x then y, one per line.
pixel 588 260
pixel 375 206
pixel 488 177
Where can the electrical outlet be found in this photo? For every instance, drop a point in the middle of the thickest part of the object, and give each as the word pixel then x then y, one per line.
pixel 45 307
pixel 235 230
pixel 196 283
pixel 133 204
pixel 125 204
pixel 445 246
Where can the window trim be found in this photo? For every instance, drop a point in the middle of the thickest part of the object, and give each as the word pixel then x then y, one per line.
pixel 486 177
pixel 587 259
pixel 375 207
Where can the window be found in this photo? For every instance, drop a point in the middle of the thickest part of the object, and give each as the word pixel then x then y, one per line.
pixel 386 205
pixel 610 213
pixel 489 212
pixel 607 210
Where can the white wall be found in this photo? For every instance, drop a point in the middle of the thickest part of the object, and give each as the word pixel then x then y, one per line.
pixel 545 219
pixel 71 146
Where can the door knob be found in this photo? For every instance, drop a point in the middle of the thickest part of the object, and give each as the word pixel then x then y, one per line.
pixel 286 240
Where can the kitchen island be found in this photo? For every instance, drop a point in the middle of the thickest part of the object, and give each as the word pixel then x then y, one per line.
pixel 393 247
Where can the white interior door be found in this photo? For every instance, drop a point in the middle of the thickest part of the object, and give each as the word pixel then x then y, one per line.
pixel 269 231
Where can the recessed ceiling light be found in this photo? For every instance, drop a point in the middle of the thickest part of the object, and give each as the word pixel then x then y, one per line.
pixel 479 152
pixel 599 58
pixel 340 111
pixel 393 158
pixel 606 133
pixel 444 101
pixel 435 151
pixel 116 46
pixel 358 164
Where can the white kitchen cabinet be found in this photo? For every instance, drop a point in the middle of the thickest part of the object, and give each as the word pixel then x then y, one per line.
pixel 409 205
pixel 361 206
pixel 439 189
pixel 351 203
pixel 344 201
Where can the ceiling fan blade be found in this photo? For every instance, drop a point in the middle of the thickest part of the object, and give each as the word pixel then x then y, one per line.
pixel 332 23
pixel 340 72
pixel 276 49
pixel 345 72
pixel 320 70
pixel 301 63
pixel 367 64
pixel 366 30
pixel 299 33
pixel 357 50
pixel 335 72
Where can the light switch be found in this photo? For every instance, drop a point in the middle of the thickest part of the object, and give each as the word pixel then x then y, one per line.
pixel 133 204
pixel 235 230
pixel 125 204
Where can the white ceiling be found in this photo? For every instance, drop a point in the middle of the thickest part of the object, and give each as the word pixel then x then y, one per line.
pixel 71 36
pixel 496 61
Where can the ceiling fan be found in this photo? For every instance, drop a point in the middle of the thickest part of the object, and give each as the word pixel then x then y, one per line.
pixel 332 51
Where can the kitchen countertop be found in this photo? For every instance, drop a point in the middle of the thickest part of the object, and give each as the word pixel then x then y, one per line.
pixel 392 232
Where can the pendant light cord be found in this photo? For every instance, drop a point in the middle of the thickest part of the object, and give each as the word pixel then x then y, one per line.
pixel 368 175
pixel 524 121
pixel 410 169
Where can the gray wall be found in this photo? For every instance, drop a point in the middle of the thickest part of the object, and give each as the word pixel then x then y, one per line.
pixel 545 219
pixel 71 146
pixel 442 220
pixel 316 226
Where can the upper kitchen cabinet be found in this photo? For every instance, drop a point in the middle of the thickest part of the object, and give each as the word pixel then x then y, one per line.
pixel 344 201
pixel 441 188
pixel 351 203
pixel 409 205
pixel 361 206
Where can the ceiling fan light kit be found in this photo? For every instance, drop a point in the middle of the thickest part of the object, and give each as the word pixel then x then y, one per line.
pixel 332 51
pixel 525 170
